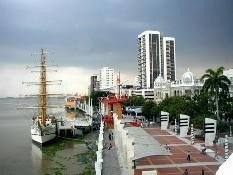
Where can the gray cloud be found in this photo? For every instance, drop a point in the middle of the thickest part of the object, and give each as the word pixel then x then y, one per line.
pixel 94 33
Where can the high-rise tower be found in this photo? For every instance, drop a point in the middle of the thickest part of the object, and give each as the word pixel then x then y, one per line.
pixel 106 78
pixel 156 56
pixel 169 58
pixel 94 84
pixel 149 58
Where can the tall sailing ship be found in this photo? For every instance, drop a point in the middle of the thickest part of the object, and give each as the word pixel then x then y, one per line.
pixel 43 128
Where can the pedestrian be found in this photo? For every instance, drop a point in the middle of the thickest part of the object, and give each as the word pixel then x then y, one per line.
pixel 203 149
pixel 112 136
pixel 141 125
pixel 202 172
pixel 110 146
pixel 109 136
pixel 186 172
pixel 216 154
pixel 188 155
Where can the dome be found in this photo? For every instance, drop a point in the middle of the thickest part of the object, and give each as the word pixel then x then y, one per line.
pixel 188 77
pixel 159 81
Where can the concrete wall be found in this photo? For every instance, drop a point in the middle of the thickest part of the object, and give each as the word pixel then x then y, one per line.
pixel 210 131
pixel 125 146
pixel 184 125
pixel 164 120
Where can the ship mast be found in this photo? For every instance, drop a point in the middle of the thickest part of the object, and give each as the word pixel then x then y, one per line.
pixel 43 88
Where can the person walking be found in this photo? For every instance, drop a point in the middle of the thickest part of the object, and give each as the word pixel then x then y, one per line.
pixel 216 154
pixel 110 146
pixel 203 149
pixel 110 136
pixel 202 172
pixel 188 155
pixel 186 172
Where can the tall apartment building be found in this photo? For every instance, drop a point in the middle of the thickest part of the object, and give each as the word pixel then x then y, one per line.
pixel 153 60
pixel 169 59
pixel 94 84
pixel 106 78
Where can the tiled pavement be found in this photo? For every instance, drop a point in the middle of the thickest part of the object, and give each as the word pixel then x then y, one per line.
pixel 177 162
pixel 110 159
pixel 174 164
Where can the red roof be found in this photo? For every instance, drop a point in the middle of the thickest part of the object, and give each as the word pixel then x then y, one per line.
pixel 107 119
pixel 113 99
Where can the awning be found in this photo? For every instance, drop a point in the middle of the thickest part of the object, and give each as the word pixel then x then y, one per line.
pixel 145 144
pixel 111 100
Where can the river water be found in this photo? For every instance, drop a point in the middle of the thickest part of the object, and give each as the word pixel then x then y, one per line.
pixel 18 155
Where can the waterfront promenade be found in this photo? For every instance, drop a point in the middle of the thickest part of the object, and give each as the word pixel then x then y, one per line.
pixel 173 164
pixel 110 159
pixel 177 162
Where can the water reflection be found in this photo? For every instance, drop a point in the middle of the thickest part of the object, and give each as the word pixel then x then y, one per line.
pixel 37 159
pixel 62 156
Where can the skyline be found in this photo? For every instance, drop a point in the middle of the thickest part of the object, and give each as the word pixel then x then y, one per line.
pixel 90 35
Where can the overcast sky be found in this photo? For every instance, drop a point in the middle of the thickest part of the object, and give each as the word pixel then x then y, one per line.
pixel 86 35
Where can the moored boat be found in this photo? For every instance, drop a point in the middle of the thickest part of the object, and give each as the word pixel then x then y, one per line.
pixel 71 102
pixel 43 133
pixel 43 128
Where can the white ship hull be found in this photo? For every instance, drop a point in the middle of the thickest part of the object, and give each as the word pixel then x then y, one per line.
pixel 43 139
pixel 47 134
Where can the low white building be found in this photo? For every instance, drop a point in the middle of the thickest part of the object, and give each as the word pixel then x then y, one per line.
pixel 188 85
pixel 145 93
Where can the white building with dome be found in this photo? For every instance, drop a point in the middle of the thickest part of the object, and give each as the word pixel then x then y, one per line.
pixel 188 85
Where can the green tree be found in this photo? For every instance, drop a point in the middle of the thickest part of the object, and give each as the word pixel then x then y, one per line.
pixel 155 110
pixel 177 105
pixel 134 101
pixel 226 105
pixel 216 82
pixel 146 109
pixel 95 96
pixel 202 104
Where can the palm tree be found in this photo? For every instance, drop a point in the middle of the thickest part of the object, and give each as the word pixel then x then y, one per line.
pixel 216 82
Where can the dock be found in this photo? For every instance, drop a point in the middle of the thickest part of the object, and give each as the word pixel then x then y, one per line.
pixel 79 125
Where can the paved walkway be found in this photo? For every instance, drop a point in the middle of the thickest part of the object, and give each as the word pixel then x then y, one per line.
pixel 177 162
pixel 178 165
pixel 173 164
pixel 111 164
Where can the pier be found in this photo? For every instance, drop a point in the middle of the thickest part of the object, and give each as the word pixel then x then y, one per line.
pixel 80 124
pixel 76 104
